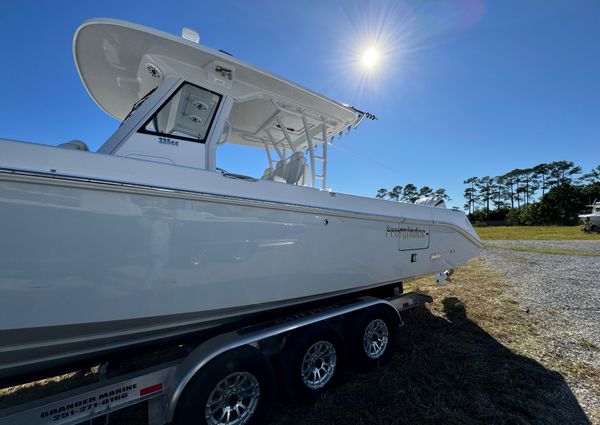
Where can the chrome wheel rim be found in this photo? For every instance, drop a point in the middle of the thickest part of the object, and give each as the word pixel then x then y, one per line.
pixel 318 365
pixel 376 338
pixel 233 400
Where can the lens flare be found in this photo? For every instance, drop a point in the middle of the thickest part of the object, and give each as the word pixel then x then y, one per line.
pixel 377 46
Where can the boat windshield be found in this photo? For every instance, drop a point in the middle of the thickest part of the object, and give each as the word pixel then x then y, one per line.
pixel 188 115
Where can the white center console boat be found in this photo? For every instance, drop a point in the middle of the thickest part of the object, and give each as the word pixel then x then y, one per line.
pixel 148 239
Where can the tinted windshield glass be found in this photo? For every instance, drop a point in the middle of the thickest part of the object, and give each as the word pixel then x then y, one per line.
pixel 188 114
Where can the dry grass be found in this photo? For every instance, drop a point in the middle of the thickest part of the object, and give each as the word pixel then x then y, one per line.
pixel 46 387
pixel 536 233
pixel 473 357
pixel 586 343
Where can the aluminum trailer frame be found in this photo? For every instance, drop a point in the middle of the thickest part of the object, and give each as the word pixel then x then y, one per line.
pixel 163 384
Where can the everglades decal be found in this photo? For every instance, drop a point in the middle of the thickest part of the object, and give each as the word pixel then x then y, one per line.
pixel 405 232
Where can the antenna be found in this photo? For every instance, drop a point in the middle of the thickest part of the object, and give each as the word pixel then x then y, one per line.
pixel 191 35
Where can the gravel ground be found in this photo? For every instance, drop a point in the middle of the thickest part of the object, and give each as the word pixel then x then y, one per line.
pixel 563 291
pixel 592 246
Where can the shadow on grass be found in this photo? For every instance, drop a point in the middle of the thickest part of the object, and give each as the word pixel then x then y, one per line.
pixel 445 372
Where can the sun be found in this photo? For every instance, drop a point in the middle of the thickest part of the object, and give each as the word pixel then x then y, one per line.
pixel 370 57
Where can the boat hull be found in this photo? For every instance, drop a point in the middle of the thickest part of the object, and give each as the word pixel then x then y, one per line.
pixel 89 267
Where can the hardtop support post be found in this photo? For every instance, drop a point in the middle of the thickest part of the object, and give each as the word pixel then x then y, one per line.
pixel 274 143
pixel 324 169
pixel 286 134
pixel 311 150
pixel 268 151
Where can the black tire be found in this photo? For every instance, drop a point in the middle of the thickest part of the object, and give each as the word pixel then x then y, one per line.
pixel 244 362
pixel 319 338
pixel 383 330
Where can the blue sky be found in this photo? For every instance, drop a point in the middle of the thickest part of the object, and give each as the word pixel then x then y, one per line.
pixel 465 87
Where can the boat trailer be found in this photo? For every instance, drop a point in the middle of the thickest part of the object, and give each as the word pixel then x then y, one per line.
pixel 589 227
pixel 162 385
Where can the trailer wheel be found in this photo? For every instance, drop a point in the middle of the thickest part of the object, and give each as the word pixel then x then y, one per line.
pixel 372 336
pixel 312 361
pixel 236 388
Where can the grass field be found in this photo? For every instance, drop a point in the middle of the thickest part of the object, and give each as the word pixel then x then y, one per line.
pixel 473 356
pixel 535 233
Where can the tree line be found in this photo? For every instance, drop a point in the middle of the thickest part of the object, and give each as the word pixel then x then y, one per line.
pixel 410 193
pixel 548 193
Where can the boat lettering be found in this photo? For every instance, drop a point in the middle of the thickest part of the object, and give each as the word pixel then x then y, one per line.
pixel 167 141
pixel 118 391
pixel 86 404
pixel 405 232
pixel 70 408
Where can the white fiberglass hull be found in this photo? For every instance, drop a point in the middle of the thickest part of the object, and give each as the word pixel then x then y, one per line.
pixel 88 266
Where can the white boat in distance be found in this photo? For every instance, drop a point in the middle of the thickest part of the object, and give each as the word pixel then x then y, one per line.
pixel 148 239
pixel 592 220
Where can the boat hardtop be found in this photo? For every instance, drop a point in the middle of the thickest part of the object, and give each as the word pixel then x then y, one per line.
pixel 595 214
pixel 120 62
pixel 595 206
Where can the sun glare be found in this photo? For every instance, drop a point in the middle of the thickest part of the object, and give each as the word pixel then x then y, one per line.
pixel 370 57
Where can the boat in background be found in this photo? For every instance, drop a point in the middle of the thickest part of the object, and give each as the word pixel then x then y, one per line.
pixel 149 239
pixel 592 220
